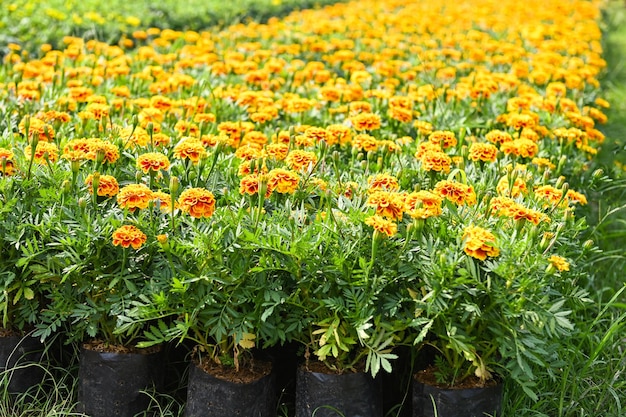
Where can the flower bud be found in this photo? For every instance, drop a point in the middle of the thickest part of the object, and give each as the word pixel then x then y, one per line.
pixel 550 269
pixel 597 174
pixel 174 185
pixel 66 186
pixel 588 244
pixel 82 202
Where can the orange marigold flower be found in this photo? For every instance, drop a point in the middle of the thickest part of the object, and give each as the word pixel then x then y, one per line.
pixel 443 138
pixel 559 262
pixel 338 133
pixel 388 204
pixel 400 114
pixel 385 182
pixel 107 185
pixel 301 160
pixel 424 147
pixel 163 200
pixel 134 196
pixel 524 148
pixel 282 181
pixel 479 243
pixel 485 152
pixel 507 207
pixel 436 161
pixel 7 165
pixel 190 148
pixel 198 202
pixel 498 136
pixel 42 151
pixel 576 197
pixel 251 184
pixel 365 121
pixel 422 204
pixel 365 142
pixel 37 127
pixel 129 235
pixel 543 162
pixel 277 151
pixel 548 192
pixel 423 127
pixel 456 192
pixel 382 225
pixel 137 137
pixel 248 152
pixel 153 161
pixel 513 188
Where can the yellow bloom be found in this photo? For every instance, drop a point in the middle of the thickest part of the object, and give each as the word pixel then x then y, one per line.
pixel 479 243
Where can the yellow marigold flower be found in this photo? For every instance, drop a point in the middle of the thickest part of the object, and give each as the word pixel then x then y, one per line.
pixel 423 204
pixel 548 192
pixel 456 192
pixel 365 142
pixel 190 148
pixel 42 151
pixel 543 162
pixel 134 138
pixel 318 134
pixel 254 138
pixel 277 151
pixel 153 161
pixel 524 148
pixel 423 127
pixel 37 127
pixel 198 202
pixel 424 147
pixel 400 114
pixel 338 133
pixel 163 200
pixel 382 225
pixel 129 235
pixel 514 189
pixel 576 197
pixel 301 160
pixel 485 152
pixel 602 103
pixel 479 243
pixel 134 196
pixel 251 184
pixel 107 185
pixel 388 204
pixel 436 161
pixel 559 262
pixel 384 182
pixel 357 107
pixel 366 121
pixel 7 165
pixel 443 138
pixel 248 152
pixel 506 207
pixel 282 181
pixel 204 118
pixel 498 136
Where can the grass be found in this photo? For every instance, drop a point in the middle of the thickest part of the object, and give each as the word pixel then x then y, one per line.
pixel 591 381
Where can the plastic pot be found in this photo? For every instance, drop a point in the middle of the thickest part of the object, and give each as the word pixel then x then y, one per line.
pixel 330 395
pixel 110 384
pixel 20 363
pixel 208 396
pixel 432 401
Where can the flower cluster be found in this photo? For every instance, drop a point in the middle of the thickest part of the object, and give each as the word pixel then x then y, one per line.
pixel 323 189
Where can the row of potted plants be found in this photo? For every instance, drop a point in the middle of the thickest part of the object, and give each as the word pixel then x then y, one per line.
pixel 334 179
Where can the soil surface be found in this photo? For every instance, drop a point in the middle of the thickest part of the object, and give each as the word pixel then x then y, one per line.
pixel 247 373
pixel 104 347
pixel 10 332
pixel 427 376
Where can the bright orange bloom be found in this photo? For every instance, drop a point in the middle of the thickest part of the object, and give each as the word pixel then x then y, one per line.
pixel 436 161
pixel 7 165
pixel 485 152
pixel 282 181
pixel 525 148
pixel 134 196
pixel 153 161
pixel 388 204
pixel 366 121
pixel 422 204
pixel 44 150
pixel 517 188
pixel 382 225
pixel 456 192
pixel 506 207
pixel 479 243
pixel 301 160
pixel 107 185
pixel 384 182
pixel 251 184
pixel 129 235
pixel 163 200
pixel 190 148
pixel 198 202
pixel 443 138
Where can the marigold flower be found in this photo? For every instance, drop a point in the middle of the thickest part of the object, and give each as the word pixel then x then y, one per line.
pixel 301 160
pixel 100 150
pixel 282 181
pixel 456 192
pixel 524 148
pixel 559 262
pixel 514 189
pixel 7 165
pixel 422 204
pixel 435 161
pixel 42 151
pixel 251 184
pixel 248 152
pixel 498 136
pixel 443 138
pixel 365 142
pixel 548 192
pixel 485 152
pixel 198 202
pixel 153 161
pixel 365 121
pixel 382 225
pixel 129 235
pixel 385 182
pixel 507 207
pixel 190 148
pixel 107 185
pixel 576 197
pixel 479 243
pixel 277 151
pixel 388 204
pixel 163 200
pixel 134 196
